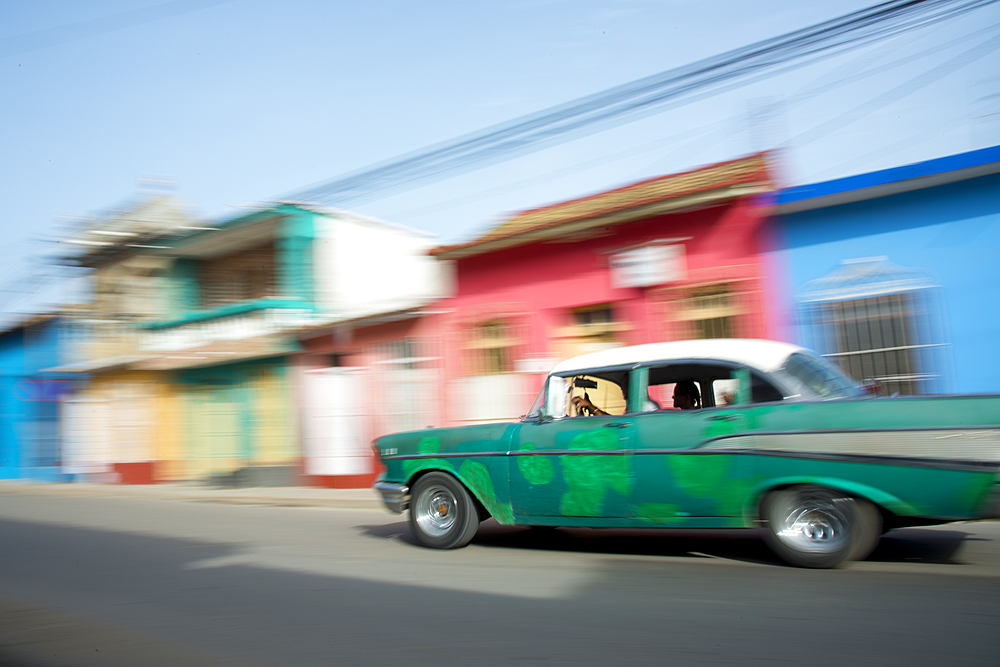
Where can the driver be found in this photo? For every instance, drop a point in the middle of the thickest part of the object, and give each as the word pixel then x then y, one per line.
pixel 583 403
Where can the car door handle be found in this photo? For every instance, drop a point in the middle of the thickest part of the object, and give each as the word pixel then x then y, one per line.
pixel 618 424
pixel 724 418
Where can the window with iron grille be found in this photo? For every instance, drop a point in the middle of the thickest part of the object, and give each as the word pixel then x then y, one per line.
pixel 596 328
pixel 880 322
pixel 710 311
pixel 405 381
pixel 594 316
pixel 490 347
pixel 590 329
pixel 242 276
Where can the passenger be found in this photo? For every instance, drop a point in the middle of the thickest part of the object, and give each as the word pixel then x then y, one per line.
pixel 686 395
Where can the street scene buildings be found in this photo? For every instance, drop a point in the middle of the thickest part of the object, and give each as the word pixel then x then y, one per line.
pixel 270 348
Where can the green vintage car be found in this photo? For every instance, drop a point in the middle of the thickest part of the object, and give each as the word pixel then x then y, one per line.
pixel 775 437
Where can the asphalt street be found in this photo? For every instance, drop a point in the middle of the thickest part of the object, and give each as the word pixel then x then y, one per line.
pixel 99 580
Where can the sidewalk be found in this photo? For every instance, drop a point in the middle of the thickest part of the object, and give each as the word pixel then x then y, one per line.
pixel 293 496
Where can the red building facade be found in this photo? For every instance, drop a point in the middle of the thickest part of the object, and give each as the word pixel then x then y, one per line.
pixel 668 258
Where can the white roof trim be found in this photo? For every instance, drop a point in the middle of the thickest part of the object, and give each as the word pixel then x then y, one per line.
pixel 764 355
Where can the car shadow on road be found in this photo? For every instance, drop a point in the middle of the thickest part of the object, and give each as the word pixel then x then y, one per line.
pixel 908 545
pixel 738 545
pixel 399 530
pixel 920 545
pixel 742 545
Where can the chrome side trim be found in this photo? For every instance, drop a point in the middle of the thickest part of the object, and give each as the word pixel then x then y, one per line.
pixel 944 464
pixel 532 452
pixel 443 455
pixel 395 497
pixel 572 452
pixel 949 444
pixel 977 466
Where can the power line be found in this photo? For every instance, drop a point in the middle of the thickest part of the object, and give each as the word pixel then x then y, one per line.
pixel 629 101
pixel 896 93
pixel 885 151
pixel 646 147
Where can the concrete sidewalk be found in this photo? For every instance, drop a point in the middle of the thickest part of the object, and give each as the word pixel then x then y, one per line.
pixel 293 496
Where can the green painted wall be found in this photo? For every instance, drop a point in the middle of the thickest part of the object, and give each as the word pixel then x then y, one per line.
pixel 238 415
pixel 184 293
pixel 294 254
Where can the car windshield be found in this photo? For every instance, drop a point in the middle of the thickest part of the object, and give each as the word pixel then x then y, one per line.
pixel 816 377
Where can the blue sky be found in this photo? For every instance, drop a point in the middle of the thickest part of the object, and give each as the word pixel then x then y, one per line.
pixel 241 101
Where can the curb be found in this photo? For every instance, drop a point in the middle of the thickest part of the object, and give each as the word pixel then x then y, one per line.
pixel 262 496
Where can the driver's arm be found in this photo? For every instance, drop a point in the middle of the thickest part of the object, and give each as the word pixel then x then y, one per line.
pixel 584 402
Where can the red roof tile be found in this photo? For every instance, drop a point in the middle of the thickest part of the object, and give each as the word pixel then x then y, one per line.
pixel 747 170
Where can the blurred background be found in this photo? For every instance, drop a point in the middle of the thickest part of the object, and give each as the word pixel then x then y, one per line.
pixel 443 202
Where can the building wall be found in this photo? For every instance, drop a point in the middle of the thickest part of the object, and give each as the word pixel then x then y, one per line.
pixel 365 267
pixel 30 436
pixel 235 418
pixel 169 447
pixel 115 430
pixel 12 410
pixel 393 373
pixel 951 231
pixel 538 287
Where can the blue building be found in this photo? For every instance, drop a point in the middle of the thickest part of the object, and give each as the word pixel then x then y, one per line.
pixel 895 274
pixel 30 396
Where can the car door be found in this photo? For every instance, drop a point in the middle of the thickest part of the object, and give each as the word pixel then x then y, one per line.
pixel 563 465
pixel 690 466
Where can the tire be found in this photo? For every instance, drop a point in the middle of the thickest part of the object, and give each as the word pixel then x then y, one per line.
pixel 442 513
pixel 813 526
pixel 868 529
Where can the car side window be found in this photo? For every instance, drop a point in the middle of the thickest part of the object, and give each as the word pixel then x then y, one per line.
pixel 683 385
pixel 725 391
pixel 592 395
pixel 762 391
pixel 667 395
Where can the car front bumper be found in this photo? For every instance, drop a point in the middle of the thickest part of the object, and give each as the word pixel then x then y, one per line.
pixel 395 497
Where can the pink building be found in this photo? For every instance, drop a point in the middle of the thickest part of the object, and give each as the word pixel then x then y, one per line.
pixel 668 258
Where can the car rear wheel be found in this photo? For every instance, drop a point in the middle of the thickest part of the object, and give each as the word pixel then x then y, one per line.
pixel 812 526
pixel 442 513
pixel 868 529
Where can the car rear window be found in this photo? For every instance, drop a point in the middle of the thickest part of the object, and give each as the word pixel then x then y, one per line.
pixel 819 377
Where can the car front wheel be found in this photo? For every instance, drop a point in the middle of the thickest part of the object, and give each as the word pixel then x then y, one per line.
pixel 812 526
pixel 442 512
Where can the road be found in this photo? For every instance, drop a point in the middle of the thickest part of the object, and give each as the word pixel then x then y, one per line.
pixel 134 581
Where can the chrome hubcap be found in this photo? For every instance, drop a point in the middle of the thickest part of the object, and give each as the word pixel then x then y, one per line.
pixel 435 510
pixel 813 522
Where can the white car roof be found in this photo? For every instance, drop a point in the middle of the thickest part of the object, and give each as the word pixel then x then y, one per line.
pixel 764 355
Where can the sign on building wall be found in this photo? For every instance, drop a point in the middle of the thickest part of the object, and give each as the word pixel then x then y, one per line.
pixel 647 266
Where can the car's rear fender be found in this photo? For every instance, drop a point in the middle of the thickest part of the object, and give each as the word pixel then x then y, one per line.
pixel 881 499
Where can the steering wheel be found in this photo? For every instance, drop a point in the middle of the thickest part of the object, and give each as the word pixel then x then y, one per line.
pixel 583 409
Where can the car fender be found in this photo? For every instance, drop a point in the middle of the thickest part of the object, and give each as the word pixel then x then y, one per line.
pixel 855 489
pixel 473 475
